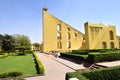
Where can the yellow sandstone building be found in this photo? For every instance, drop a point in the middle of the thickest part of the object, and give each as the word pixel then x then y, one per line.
pixel 59 36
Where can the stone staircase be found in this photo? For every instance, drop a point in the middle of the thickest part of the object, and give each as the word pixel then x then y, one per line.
pixel 96 66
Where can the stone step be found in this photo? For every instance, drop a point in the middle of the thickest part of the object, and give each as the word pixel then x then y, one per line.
pixel 96 66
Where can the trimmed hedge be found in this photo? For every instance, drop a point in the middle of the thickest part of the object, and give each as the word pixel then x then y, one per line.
pixel 85 52
pixel 102 57
pixel 74 56
pixel 4 55
pixel 81 52
pixel 98 74
pixel 10 74
pixel 75 75
pixel 39 65
pixel 29 52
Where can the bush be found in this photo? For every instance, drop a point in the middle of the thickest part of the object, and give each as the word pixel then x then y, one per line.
pixel 39 65
pixel 76 75
pixel 74 56
pixel 81 52
pixel 14 74
pixel 22 49
pixel 98 74
pixel 10 74
pixel 2 52
pixel 28 52
pixel 95 50
pixel 100 50
pixel 4 55
pixel 102 57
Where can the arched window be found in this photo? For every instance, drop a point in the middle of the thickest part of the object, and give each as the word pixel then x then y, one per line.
pixel 59 27
pixel 75 35
pixel 112 46
pixel 59 45
pixel 68 36
pixel 104 45
pixel 68 45
pixel 58 35
pixel 111 35
pixel 68 29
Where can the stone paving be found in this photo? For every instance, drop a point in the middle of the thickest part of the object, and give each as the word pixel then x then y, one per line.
pixel 56 68
pixel 110 64
pixel 53 69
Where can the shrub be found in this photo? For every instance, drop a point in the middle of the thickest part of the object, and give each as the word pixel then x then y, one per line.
pixel 107 50
pixel 28 52
pixel 98 74
pixel 10 74
pixel 102 57
pixel 75 74
pixel 81 52
pixel 74 56
pixel 14 74
pixel 39 65
pixel 4 55
pixel 22 49
pixel 2 52
pixel 100 50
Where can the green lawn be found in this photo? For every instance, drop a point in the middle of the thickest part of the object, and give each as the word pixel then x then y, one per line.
pixel 24 64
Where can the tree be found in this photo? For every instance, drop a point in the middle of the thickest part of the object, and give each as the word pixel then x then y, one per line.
pixel 41 46
pixel 22 49
pixel 8 43
pixel 21 40
pixel 1 39
pixel 36 46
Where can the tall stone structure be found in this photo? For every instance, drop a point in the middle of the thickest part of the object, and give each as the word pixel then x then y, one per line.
pixel 59 36
pixel 99 36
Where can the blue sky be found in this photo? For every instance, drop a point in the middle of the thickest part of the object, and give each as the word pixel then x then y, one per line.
pixel 25 16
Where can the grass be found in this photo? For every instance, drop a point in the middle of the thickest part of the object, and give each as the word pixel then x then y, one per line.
pixel 24 64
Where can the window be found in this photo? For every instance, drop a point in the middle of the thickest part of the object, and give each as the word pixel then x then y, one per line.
pixel 96 29
pixel 58 27
pixel 112 46
pixel 68 36
pixel 59 45
pixel 111 35
pixel 68 29
pixel 58 35
pixel 92 29
pixel 75 35
pixel 100 28
pixel 68 45
pixel 83 38
pixel 104 45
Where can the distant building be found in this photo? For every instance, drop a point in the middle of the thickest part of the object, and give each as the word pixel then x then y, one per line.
pixel 59 36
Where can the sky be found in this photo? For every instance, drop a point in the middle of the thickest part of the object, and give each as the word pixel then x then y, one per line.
pixel 25 16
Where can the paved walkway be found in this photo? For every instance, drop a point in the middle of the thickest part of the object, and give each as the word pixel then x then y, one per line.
pixel 54 70
pixel 110 64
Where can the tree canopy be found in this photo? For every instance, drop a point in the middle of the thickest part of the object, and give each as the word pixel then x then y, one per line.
pixel 37 46
pixel 9 42
pixel 22 40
